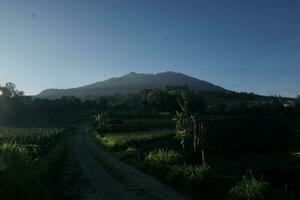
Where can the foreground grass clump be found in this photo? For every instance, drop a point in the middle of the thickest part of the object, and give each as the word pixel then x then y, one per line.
pixel 38 165
pixel 20 175
pixel 132 153
pixel 159 162
pixel 191 177
pixel 191 173
pixel 250 188
pixel 163 157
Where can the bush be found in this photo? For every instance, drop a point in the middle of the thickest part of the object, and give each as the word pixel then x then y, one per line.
pixel 190 177
pixel 131 152
pixel 159 161
pixel 249 188
pixel 163 156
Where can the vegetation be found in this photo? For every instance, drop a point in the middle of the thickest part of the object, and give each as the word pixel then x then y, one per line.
pixel 101 119
pixel 37 141
pixel 250 188
pixel 35 157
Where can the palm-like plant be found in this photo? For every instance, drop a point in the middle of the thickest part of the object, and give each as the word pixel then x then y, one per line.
pixel 182 120
pixel 101 119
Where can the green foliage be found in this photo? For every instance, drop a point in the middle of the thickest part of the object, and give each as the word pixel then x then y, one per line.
pixel 20 174
pixel 160 160
pixel 250 188
pixel 192 178
pixel 191 173
pixel 31 164
pixel 132 152
pixel 182 121
pixel 63 169
pixel 101 119
pixel 125 140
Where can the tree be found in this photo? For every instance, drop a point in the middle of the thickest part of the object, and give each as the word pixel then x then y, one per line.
pixel 12 104
pixel 10 90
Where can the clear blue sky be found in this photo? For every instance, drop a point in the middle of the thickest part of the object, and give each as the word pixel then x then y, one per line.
pixel 251 46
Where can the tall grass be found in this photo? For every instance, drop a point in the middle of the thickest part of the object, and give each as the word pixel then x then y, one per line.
pixel 20 175
pixel 24 171
pixel 163 157
pixel 250 188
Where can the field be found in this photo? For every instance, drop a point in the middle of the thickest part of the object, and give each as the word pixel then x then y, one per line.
pixel 158 153
pixel 33 161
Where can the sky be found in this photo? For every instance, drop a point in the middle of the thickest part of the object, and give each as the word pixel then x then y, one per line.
pixel 251 46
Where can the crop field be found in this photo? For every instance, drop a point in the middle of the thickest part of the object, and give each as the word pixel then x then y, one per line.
pixel 28 135
pixel 158 153
pixel 30 161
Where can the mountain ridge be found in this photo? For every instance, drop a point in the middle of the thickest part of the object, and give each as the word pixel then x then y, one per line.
pixel 132 83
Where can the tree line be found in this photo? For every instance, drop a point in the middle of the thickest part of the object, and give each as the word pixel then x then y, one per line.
pixel 17 108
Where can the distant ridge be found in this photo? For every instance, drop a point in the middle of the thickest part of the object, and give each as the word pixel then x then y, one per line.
pixel 133 83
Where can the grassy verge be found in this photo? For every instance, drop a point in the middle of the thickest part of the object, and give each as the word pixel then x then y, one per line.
pixel 115 173
pixel 29 171
pixel 64 172
pixel 157 154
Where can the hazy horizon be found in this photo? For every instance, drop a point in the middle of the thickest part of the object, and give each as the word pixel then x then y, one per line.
pixel 241 46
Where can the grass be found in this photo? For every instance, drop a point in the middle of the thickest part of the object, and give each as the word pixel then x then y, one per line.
pixel 158 162
pixel 64 172
pixel 116 174
pixel 19 172
pixel 115 141
pixel 250 188
pixel 32 164
pixel 156 153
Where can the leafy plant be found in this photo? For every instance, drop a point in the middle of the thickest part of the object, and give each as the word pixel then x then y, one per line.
pixel 190 174
pixel 182 120
pixel 250 188
pixel 132 152
pixel 101 119
pixel 161 159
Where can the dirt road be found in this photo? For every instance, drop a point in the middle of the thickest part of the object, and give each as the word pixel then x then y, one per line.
pixel 107 186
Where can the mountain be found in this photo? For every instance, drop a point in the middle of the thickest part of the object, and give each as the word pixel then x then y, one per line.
pixel 133 83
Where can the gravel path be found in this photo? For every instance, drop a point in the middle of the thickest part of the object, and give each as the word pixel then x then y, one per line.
pixel 142 186
pixel 104 187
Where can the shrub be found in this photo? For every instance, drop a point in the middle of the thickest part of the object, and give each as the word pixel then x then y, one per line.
pixel 163 156
pixel 190 176
pixel 249 188
pixel 159 161
pixel 131 152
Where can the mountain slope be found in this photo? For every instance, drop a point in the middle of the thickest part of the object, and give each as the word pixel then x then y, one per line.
pixel 132 83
